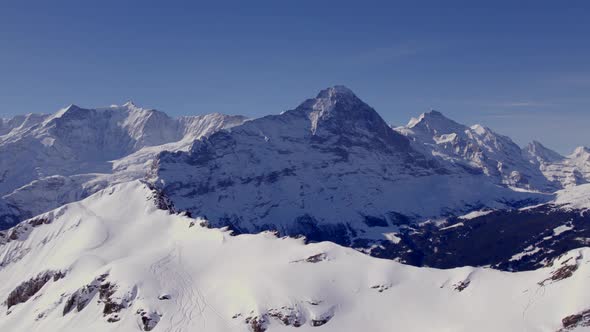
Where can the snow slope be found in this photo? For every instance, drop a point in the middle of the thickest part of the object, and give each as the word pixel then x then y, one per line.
pixel 575 198
pixel 115 262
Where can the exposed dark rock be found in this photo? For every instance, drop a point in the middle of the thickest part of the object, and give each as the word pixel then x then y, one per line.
pixel 149 320
pixel 571 322
pixel 105 291
pixel 257 324
pixel 320 322
pixel 399 219
pixel 566 270
pixel 161 201
pixel 380 288
pixel 288 316
pixel 81 297
pixel 27 289
pixel 13 235
pixel 35 222
pixel 316 258
pixel 462 285
pixel 312 259
pixel 372 221
pixel 58 275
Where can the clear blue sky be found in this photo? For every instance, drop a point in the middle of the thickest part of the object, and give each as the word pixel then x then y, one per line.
pixel 522 69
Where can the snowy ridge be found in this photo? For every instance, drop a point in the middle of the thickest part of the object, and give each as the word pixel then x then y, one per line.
pixel 75 152
pixel 115 262
pixel 569 171
pixel 476 149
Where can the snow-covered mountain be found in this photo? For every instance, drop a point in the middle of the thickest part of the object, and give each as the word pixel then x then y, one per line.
pixel 49 160
pixel 120 261
pixel 330 169
pixel 477 149
pixel 569 171
pixel 138 221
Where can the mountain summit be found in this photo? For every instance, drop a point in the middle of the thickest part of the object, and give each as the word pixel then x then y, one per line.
pixel 537 152
pixel 331 169
pixel 338 113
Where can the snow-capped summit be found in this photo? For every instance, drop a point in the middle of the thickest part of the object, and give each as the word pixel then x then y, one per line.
pixel 129 104
pixel 481 130
pixel 68 109
pixel 435 122
pixel 337 113
pixel 476 149
pixel 537 152
pixel 337 91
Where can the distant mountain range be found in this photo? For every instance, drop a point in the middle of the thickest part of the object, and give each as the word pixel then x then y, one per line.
pixel 330 169
pixel 123 218
pixel 50 160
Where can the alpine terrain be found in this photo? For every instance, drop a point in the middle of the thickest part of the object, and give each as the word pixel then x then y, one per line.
pixel 320 218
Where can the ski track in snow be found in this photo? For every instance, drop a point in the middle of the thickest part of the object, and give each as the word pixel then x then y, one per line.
pixel 188 299
pixel 532 300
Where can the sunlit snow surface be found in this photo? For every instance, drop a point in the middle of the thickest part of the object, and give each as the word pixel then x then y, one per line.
pixel 211 276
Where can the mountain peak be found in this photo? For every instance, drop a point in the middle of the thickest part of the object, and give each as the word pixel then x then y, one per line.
pixel 479 129
pixel 434 113
pixel 538 151
pixel 338 112
pixel 336 91
pixel 336 99
pixel 69 109
pixel 336 102
pixel 581 151
pixel 129 104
